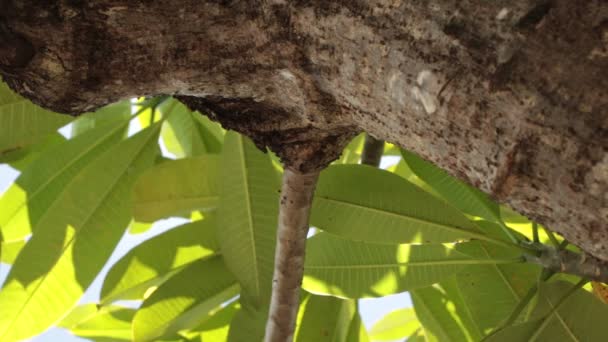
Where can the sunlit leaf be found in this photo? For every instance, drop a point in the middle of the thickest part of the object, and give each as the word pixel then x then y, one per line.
pixel 215 325
pixel 80 231
pixel 397 324
pixel 352 152
pixel 491 292
pixel 10 250
pixel 118 111
pixel 324 318
pixel 368 204
pixel 153 261
pixel 31 198
pixel 176 188
pixel 183 134
pixel 110 323
pixel 23 123
pixel 248 324
pixel 354 269
pixel 184 300
pixel 247 216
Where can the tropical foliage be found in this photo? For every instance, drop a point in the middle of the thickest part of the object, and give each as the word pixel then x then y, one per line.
pixel 378 232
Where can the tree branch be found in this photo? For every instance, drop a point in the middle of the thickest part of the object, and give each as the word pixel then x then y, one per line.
pixel 566 261
pixel 296 199
pixel 372 151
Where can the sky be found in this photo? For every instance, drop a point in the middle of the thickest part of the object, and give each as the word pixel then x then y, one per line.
pixel 371 309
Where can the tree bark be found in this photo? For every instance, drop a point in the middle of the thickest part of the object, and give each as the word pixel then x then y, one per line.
pixel 296 200
pixel 372 151
pixel 510 96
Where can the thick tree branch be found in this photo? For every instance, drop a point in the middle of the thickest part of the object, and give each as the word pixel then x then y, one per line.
pixel 296 200
pixel 508 96
pixel 372 151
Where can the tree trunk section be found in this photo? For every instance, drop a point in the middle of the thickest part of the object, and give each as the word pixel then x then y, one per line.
pixel 509 96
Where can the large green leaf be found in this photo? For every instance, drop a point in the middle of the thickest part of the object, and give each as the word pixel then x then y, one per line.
pixel 183 134
pixel 177 187
pixel 363 203
pixel 491 292
pixel 325 318
pixel 247 216
pixel 10 250
pixel 580 317
pixel 153 261
pixel 118 111
pixel 184 300
pixel 78 235
pixel 397 324
pixel 353 269
pixel 215 326
pixel 248 324
pixel 22 123
pixel 443 313
pixel 110 323
pixel 31 198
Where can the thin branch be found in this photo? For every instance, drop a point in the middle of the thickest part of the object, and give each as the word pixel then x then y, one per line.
pixel 296 200
pixel 535 237
pixel 372 151
pixel 566 261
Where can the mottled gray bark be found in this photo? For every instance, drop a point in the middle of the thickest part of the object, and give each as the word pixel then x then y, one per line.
pixel 510 96
pixel 296 200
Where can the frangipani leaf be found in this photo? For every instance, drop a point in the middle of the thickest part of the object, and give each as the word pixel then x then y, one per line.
pixel 78 234
pixel 363 203
pixel 109 323
pixel 247 217
pixel 397 324
pixel 184 300
pixel 177 187
pixel 45 181
pixel 153 261
pixel 352 269
pixel 23 123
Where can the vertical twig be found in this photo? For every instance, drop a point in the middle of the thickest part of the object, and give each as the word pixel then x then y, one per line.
pixel 296 200
pixel 372 151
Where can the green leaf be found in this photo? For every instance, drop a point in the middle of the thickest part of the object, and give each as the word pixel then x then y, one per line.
pixel 22 123
pixel 324 318
pixel 443 314
pixel 352 269
pixel 352 152
pixel 184 300
pixel 248 324
pixel 118 111
pixel 110 323
pixel 153 261
pixel 363 203
pixel 80 231
pixel 491 292
pixel 183 134
pixel 397 324
pixel 215 326
pixel 177 188
pixel 464 197
pixel 30 199
pixel 20 159
pixel 356 330
pixel 247 216
pixel 581 317
pixel 10 250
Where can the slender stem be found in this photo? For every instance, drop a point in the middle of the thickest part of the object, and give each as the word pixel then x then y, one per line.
pixel 296 200
pixel 563 245
pixel 535 232
pixel 551 237
pixel 372 151
pixel 566 261
pixel 562 300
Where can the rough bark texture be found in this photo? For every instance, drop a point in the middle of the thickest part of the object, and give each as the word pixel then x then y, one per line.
pixel 296 200
pixel 508 95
